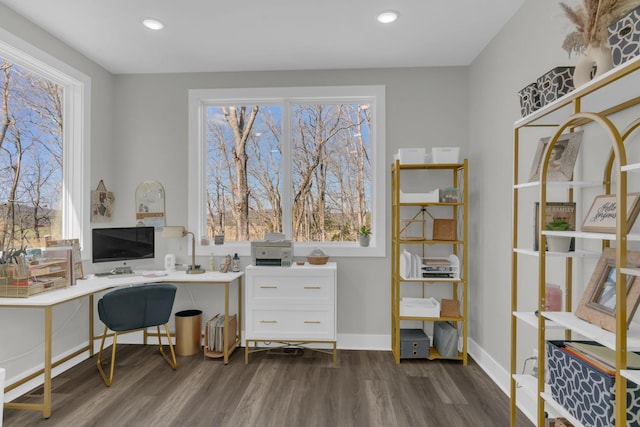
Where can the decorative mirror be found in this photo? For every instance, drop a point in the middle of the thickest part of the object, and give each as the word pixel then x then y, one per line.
pixel 150 205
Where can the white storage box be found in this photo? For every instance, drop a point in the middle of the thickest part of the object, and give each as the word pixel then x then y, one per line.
pixel 420 307
pixel 445 154
pixel 408 156
pixel 432 196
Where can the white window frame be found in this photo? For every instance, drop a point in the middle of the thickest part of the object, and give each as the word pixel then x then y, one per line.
pixel 199 99
pixel 76 130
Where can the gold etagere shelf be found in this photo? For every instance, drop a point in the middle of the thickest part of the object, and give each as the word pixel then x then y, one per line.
pixel 591 103
pixel 458 212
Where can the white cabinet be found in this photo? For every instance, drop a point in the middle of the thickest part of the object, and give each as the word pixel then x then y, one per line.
pixel 292 306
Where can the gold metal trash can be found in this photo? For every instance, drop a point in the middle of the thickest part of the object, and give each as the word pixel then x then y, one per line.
pixel 188 332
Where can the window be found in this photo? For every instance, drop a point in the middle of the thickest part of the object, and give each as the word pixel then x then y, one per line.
pixel 306 162
pixel 42 157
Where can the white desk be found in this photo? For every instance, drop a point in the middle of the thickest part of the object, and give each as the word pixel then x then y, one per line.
pixel 88 288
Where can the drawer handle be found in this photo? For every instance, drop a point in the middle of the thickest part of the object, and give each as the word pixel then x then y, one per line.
pixel 269 287
pixel 312 287
pixel 268 321
pixel 312 321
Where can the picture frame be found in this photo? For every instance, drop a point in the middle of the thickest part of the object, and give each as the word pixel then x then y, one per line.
pixel 561 167
pixel 598 301
pixel 601 217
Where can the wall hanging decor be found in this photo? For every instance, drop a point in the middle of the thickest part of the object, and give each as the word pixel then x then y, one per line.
pixel 150 205
pixel 101 204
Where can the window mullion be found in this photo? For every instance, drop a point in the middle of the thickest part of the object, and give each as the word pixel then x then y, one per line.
pixel 287 187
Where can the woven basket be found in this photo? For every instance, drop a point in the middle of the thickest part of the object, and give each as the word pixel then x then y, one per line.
pixel 317 260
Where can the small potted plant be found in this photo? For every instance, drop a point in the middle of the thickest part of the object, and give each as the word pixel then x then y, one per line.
pixel 365 235
pixel 559 243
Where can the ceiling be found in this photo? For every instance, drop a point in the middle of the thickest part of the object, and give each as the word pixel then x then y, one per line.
pixel 208 35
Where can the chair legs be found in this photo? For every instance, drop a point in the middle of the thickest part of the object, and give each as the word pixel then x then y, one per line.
pixel 172 362
pixel 108 380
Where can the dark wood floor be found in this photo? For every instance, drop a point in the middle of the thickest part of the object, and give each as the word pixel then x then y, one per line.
pixel 366 389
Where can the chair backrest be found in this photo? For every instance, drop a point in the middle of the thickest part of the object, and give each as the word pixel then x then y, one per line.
pixel 137 307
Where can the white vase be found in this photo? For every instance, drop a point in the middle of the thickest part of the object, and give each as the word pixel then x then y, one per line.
pixel 364 240
pixel 598 56
pixel 558 243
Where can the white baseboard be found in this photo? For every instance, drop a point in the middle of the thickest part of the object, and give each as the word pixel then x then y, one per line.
pixel 501 377
pixel 364 342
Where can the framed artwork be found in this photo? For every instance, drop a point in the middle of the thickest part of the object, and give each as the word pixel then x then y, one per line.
pixel 598 304
pixel 602 215
pixel 562 160
pixel 101 204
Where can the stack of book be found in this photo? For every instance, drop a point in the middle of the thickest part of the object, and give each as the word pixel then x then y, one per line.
pixel 601 358
pixel 437 267
pixel 215 332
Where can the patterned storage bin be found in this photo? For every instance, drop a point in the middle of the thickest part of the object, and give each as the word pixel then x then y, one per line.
pixel 624 37
pixel 555 83
pixel 586 392
pixel 529 99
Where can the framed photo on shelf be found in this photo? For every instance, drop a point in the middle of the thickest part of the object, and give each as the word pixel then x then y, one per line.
pixel 598 304
pixel 562 160
pixel 602 215
pixel 555 211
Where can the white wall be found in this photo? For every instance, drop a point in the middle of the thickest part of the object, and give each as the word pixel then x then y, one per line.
pixel 527 47
pixel 425 107
pixel 21 330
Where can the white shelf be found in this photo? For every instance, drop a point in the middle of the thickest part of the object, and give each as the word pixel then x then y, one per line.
pixel 588 235
pixel 561 410
pixel 595 332
pixel 527 399
pixel 528 383
pixel 571 254
pixel 631 374
pixel 632 167
pixel 531 319
pixel 630 271
pixel 560 184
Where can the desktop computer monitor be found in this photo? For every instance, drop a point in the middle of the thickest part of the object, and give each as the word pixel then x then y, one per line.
pixel 122 244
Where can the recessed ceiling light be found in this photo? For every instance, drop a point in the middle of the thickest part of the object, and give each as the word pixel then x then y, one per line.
pixel 387 16
pixel 152 24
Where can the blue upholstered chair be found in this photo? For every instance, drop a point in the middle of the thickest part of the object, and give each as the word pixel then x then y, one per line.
pixel 134 308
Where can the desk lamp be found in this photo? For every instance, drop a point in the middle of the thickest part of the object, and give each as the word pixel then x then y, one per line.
pixel 179 231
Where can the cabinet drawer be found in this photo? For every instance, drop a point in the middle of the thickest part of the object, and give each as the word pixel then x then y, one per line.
pixel 291 323
pixel 316 287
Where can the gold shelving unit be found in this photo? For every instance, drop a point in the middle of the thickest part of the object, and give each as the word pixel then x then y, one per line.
pixel 400 239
